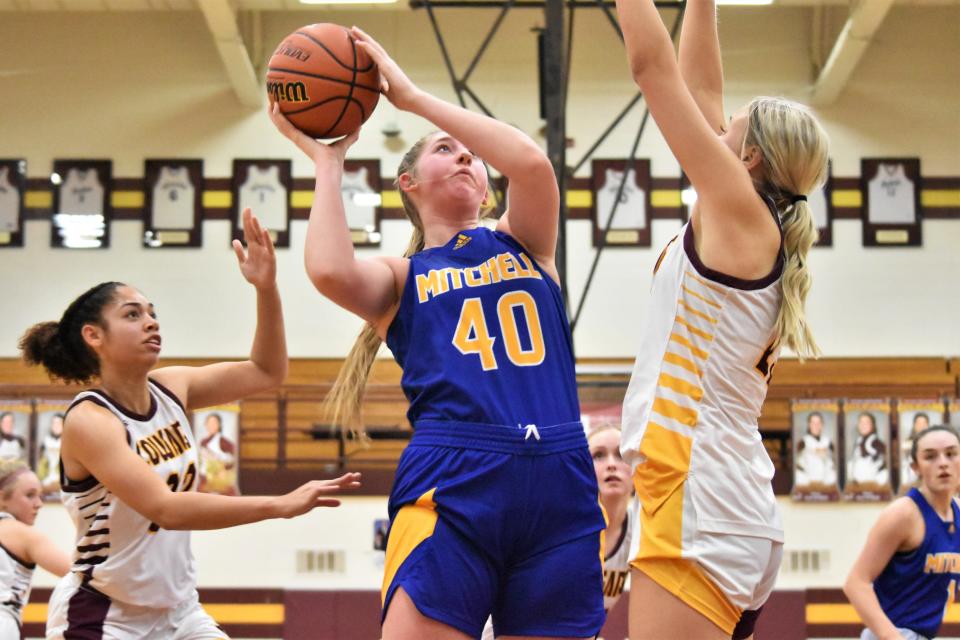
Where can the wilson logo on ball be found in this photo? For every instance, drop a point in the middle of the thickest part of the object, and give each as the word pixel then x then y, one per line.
pixel 288 91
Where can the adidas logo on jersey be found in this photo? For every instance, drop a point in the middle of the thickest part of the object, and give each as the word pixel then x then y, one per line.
pixel 461 241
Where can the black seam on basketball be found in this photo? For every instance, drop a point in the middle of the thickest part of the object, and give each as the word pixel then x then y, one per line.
pixel 320 104
pixel 330 53
pixel 349 96
pixel 319 76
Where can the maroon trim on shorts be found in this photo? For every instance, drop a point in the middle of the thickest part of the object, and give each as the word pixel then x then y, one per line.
pixel 86 613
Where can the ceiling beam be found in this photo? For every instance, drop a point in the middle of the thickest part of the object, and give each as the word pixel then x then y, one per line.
pixel 222 22
pixel 851 44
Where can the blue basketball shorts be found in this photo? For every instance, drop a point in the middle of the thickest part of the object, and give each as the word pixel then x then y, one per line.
pixel 502 521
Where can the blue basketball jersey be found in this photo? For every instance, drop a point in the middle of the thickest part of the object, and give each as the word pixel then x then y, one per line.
pixel 914 587
pixel 482 336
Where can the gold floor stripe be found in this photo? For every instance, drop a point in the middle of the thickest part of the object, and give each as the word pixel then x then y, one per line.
pixel 680 386
pixel 674 411
pixel 699 314
pixel 246 613
pixel 689 345
pixel 680 361
pixel 222 613
pixel 697 332
pixel 217 199
pixel 709 285
pixel 697 295
pixel 940 197
pixel 842 613
pixel 35 612
pixel 847 198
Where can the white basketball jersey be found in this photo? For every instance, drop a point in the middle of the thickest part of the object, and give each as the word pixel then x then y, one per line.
pixel 118 551
pixel 173 197
pixel 51 453
pixel 616 564
pixel 266 197
pixel 360 215
pixel 632 209
pixel 891 196
pixel 82 193
pixel 815 463
pixel 15 577
pixel 9 203
pixel 12 447
pixel 697 388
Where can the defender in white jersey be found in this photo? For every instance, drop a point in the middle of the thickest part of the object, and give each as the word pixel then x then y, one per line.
pixel 129 460
pixel 22 547
pixel 727 293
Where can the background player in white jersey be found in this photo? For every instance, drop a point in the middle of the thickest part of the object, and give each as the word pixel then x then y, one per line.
pixel 726 295
pixel 130 461
pixel 22 547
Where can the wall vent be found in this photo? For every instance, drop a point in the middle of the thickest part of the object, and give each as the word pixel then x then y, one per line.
pixel 321 561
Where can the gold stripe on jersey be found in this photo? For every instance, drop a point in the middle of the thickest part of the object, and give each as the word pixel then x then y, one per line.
pixel 674 411
pixel 680 386
pixel 700 353
pixel 680 361
pixel 695 331
pixel 414 524
pixel 701 297
pixel 698 314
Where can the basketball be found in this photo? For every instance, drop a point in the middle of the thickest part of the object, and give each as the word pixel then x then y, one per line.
pixel 325 84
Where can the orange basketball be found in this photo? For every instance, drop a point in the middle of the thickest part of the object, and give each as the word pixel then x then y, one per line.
pixel 326 85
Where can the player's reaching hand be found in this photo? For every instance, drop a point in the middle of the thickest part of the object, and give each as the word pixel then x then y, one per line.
pixel 316 150
pixel 395 84
pixel 258 263
pixel 314 494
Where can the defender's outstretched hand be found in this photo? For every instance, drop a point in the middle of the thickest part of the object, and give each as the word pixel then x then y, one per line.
pixel 258 263
pixel 313 494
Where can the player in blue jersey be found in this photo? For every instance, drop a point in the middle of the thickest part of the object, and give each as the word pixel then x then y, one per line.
pixel 494 508
pixel 907 571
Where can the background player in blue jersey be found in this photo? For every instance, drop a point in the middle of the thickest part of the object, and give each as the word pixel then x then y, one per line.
pixel 494 508
pixel 907 571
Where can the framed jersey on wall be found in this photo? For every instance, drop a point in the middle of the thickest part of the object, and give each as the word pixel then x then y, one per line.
pixel 891 202
pixel 82 209
pixel 264 186
pixel 13 180
pixel 173 215
pixel 621 203
pixel 360 189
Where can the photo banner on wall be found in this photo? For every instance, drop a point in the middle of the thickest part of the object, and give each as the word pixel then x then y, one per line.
pixel 816 454
pixel 867 449
pixel 216 431
pixel 50 414
pixel 15 417
pixel 913 416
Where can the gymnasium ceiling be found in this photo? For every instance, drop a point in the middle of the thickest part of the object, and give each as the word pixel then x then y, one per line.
pixel 223 18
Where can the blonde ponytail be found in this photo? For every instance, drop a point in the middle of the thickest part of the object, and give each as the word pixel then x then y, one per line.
pixel 345 401
pixel 795 150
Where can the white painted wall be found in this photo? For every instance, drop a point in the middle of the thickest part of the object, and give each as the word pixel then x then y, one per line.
pixel 130 86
